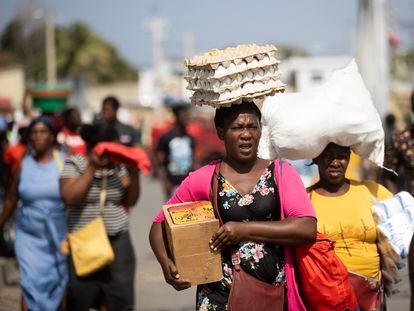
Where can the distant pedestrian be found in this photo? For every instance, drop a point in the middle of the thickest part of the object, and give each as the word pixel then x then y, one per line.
pixel 175 151
pixel 81 186
pixel 41 221
pixel 69 136
pixel 401 156
pixel 15 151
pixel 3 165
pixel 389 128
pixel 128 136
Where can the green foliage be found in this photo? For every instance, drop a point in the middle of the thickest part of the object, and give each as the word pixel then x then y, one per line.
pixel 79 52
pixel 20 45
pixel 286 51
pixel 402 65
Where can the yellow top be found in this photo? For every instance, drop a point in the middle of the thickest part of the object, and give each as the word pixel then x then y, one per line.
pixel 347 220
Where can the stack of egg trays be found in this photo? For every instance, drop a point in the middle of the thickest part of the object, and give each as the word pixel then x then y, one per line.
pixel 245 73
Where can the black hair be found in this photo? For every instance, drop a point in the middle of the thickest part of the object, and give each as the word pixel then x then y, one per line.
pixel 225 115
pixel 331 143
pixel 113 101
pixel 176 109
pixel 390 120
pixel 67 114
pixel 93 134
pixel 22 132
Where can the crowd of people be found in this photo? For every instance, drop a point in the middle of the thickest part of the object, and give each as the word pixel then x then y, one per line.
pixel 54 181
pixel 249 207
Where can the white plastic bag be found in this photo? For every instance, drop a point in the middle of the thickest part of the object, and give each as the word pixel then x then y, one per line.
pixel 395 228
pixel 402 202
pixel 300 125
pixel 393 217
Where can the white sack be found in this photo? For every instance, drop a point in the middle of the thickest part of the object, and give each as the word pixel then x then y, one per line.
pixel 300 125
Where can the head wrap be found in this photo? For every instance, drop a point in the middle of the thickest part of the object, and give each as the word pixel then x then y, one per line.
pixel 44 120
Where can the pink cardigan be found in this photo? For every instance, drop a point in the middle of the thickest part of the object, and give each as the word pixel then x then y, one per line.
pixel 294 200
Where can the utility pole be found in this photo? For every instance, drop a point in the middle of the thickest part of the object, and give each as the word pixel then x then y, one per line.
pixel 49 21
pixel 50 49
pixel 373 51
pixel 155 77
pixel 156 26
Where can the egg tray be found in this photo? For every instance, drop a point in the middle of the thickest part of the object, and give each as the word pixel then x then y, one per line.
pixel 238 100
pixel 213 58
pixel 230 84
pixel 234 68
pixel 224 77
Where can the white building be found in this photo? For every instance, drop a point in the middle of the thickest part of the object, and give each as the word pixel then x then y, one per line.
pixel 302 73
pixel 12 85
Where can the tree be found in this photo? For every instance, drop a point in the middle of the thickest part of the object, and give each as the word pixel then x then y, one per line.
pixel 403 65
pixel 21 44
pixel 85 53
pixel 79 53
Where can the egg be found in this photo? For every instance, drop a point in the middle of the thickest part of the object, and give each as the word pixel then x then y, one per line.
pixel 254 62
pixel 250 74
pixel 243 65
pixel 266 60
pixel 232 68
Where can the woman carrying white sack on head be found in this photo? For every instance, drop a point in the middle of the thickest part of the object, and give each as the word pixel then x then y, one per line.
pixel 325 124
pixel 343 208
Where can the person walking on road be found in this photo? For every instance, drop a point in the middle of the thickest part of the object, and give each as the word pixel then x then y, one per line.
pixel 127 135
pixel 81 185
pixel 343 209
pixel 175 151
pixel 41 221
pixel 400 155
pixel 69 135
pixel 249 203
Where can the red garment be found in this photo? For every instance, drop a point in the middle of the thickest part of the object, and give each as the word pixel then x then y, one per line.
pixel 13 155
pixel 125 155
pixel 324 278
pixel 72 140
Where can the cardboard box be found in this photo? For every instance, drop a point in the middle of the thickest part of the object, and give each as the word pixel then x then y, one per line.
pixel 189 228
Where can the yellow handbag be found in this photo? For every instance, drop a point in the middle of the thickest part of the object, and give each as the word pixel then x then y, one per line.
pixel 89 246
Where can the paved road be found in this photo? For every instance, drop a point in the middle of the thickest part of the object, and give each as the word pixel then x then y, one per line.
pixel 152 294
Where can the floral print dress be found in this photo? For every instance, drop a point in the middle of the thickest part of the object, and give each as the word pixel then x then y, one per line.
pixel 265 261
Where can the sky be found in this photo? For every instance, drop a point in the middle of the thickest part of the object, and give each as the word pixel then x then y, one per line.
pixel 320 27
